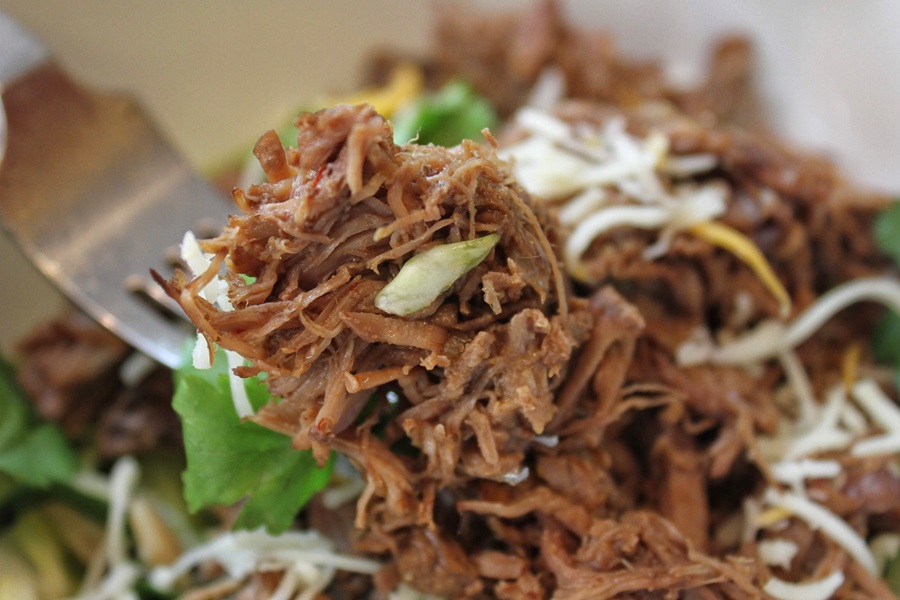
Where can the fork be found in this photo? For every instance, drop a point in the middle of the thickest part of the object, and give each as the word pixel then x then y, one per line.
pixel 95 196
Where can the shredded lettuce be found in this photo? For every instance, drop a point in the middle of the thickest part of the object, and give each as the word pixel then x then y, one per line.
pixel 445 118
pixel 229 460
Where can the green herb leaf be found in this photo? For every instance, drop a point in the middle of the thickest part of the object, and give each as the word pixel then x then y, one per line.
pixel 445 118
pixel 887 231
pixel 886 338
pixel 892 574
pixel 229 460
pixel 41 457
pixel 31 453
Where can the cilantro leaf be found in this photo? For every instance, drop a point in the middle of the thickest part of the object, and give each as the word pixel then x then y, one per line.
pixel 41 457
pixel 31 453
pixel 886 338
pixel 229 460
pixel 892 574
pixel 452 114
pixel 887 231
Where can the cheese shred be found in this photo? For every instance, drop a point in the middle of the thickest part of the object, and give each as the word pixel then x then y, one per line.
pixel 820 518
pixel 819 589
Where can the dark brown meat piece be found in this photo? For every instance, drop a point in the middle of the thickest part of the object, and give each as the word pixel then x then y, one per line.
pixel 70 370
pixel 503 54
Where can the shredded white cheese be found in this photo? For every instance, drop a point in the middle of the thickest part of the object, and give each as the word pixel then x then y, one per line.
pixel 198 262
pixel 200 354
pixel 560 161
pixel 516 477
pixel 121 573
pixel 771 338
pixel 825 433
pixel 883 411
pixel 549 88
pixel 853 420
pixel 777 552
pixel 239 397
pixel 405 592
pixel 888 443
pixel 801 386
pixel 582 206
pixel 820 518
pixel 216 292
pixel 307 556
pixel 793 473
pixel 820 589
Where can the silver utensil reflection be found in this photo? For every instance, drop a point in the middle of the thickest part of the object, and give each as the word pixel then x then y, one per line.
pixel 95 196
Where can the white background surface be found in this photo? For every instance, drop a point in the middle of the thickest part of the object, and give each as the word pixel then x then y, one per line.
pixel 217 74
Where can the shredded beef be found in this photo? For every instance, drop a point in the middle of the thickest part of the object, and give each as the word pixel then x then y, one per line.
pixel 520 438
pixel 477 368
pixel 503 54
pixel 539 444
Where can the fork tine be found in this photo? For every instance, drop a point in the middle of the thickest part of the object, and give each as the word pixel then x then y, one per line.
pixel 94 196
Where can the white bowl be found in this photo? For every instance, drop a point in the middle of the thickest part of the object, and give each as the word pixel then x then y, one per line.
pixel 215 75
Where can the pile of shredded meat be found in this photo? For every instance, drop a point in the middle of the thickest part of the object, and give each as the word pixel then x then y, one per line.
pixel 477 368
pixel 538 442
pixel 529 433
pixel 541 441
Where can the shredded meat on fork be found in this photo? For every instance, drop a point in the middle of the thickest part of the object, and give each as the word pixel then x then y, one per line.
pixel 476 370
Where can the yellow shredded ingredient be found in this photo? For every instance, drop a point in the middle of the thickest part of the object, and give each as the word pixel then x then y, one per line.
pixel 405 84
pixel 719 234
pixel 772 516
pixel 850 366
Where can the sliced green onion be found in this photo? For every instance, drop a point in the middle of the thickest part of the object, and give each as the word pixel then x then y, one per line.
pixel 426 276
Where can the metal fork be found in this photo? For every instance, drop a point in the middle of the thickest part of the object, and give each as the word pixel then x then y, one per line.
pixel 94 195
